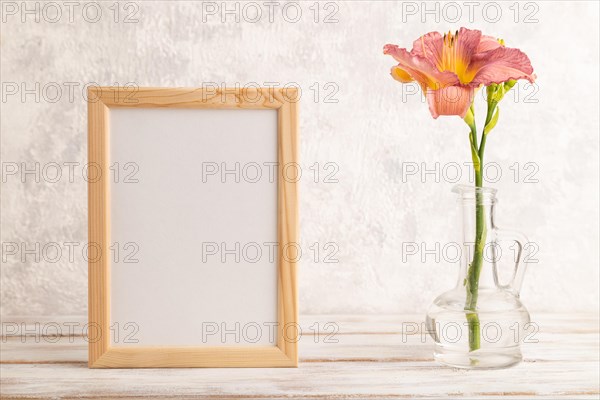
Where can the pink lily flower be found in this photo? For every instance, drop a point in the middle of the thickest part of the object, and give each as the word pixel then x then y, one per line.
pixel 449 68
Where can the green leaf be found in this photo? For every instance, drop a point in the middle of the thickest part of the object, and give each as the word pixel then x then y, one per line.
pixel 474 152
pixel 492 122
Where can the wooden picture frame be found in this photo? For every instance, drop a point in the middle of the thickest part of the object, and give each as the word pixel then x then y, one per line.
pixel 101 100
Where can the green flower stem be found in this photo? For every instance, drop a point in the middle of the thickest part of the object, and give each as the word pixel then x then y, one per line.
pixel 490 113
pixel 474 269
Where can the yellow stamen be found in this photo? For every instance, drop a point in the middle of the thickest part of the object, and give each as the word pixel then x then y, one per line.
pixel 452 60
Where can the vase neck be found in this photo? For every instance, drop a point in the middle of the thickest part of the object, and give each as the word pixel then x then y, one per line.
pixel 477 204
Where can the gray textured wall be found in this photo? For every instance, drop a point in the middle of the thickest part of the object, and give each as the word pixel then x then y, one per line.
pixel 371 134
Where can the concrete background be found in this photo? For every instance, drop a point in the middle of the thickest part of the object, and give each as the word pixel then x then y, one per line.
pixel 368 126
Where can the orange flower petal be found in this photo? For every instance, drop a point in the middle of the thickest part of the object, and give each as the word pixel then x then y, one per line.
pixel 451 100
pixel 500 65
pixel 401 75
pixel 459 55
pixel 420 69
pixel 487 43
pixel 452 52
pixel 431 47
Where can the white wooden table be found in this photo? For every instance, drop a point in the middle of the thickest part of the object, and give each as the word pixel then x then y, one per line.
pixel 369 357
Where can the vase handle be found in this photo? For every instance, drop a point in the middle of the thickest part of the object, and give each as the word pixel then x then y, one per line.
pixel 523 254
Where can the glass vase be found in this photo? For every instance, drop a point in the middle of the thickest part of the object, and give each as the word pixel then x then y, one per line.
pixel 481 322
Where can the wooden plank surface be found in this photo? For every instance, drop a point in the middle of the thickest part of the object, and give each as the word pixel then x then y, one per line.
pixel 352 357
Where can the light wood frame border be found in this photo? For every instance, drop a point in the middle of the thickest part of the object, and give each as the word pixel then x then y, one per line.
pixel 101 354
